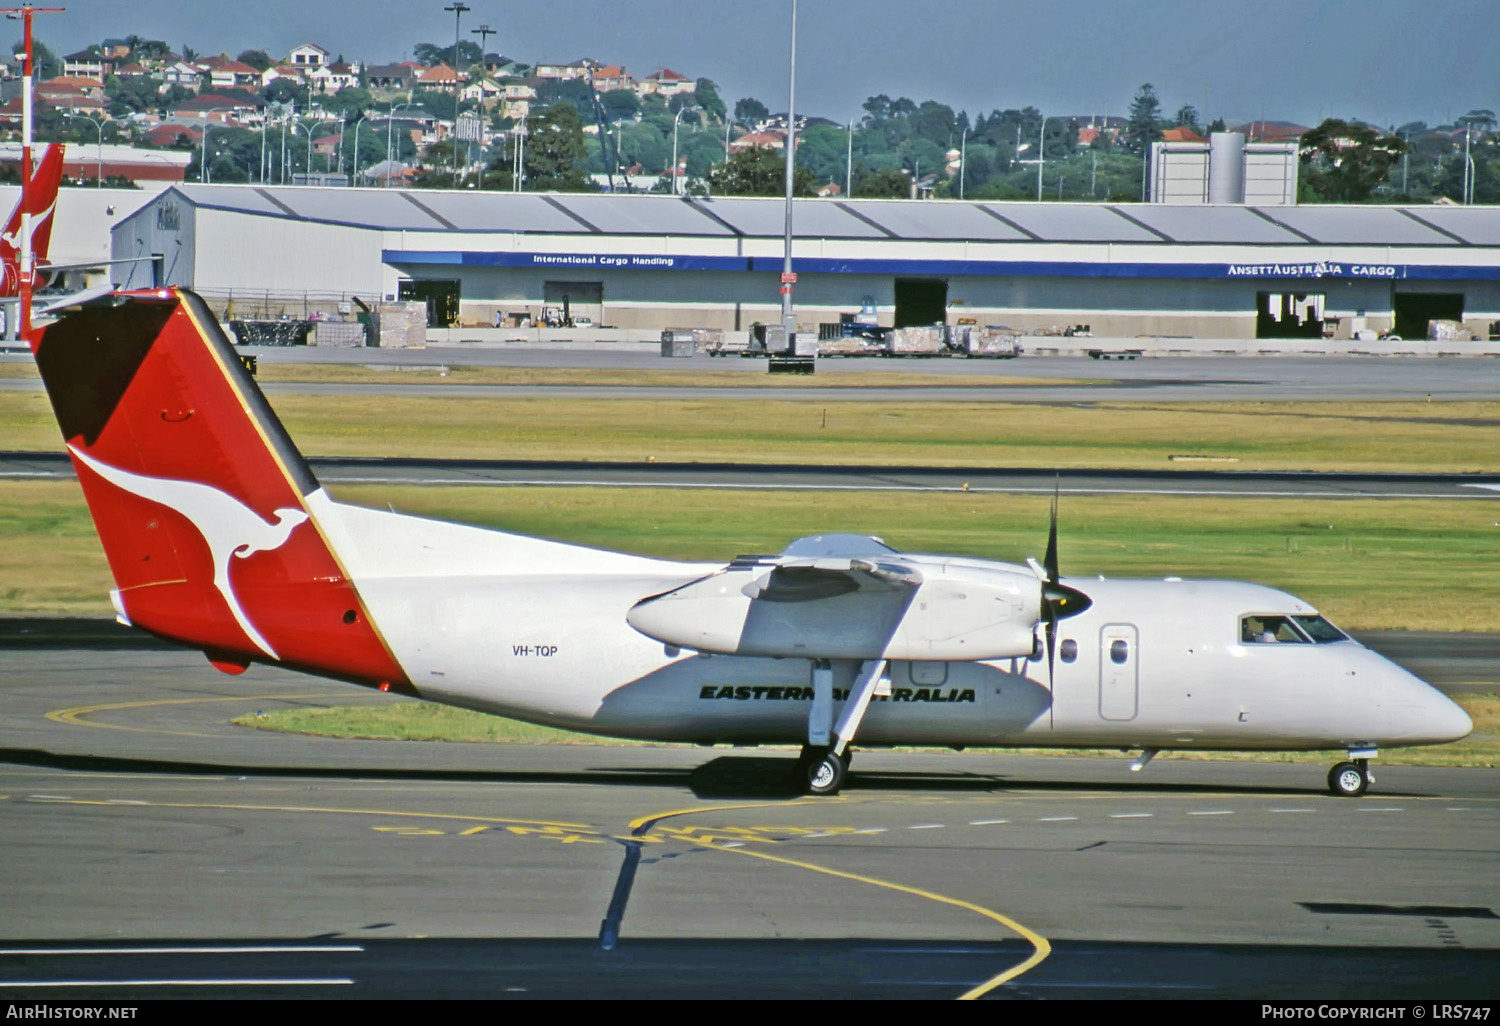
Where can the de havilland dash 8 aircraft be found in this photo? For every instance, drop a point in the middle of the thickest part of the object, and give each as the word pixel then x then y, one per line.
pixel 219 537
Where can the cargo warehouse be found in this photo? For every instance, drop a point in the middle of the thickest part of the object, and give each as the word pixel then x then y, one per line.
pixel 649 262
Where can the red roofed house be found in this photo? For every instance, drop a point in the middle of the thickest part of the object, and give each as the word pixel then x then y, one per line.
pixel 666 82
pixel 230 74
pixel 1176 135
pixel 766 140
pixel 611 77
pixel 438 75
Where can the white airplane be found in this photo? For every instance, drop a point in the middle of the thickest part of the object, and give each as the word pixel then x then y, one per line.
pixel 219 536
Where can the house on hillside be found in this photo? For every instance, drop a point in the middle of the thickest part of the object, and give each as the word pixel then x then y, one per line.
pixel 308 55
pixel 666 82
pixel 391 76
pixel 89 64
pixel 233 75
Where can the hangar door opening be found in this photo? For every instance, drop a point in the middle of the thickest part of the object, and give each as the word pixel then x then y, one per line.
pixel 1414 309
pixel 1289 315
pixel 920 302
pixel 440 295
pixel 570 300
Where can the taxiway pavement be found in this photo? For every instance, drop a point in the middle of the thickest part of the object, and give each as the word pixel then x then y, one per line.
pixel 148 839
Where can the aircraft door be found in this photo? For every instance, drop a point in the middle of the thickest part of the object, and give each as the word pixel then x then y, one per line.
pixel 1118 674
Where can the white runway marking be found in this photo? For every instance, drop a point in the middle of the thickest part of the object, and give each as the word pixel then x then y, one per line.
pixel 1379 810
pixel 1214 812
pixel 1056 819
pixel 1293 810
pixel 925 826
pixel 1131 815
pixel 330 982
pixel 243 950
pixel 987 822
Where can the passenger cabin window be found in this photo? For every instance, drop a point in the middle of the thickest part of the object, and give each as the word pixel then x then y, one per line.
pixel 1119 651
pixel 1068 650
pixel 1271 630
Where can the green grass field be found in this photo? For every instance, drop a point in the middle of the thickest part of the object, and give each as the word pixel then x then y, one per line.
pixel 424 721
pixel 1369 564
pixel 1332 436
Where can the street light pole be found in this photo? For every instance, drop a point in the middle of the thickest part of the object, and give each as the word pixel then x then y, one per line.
pixel 788 318
pixel 355 177
pixel 680 112
pixel 849 163
pixel 99 153
pixel 963 160
pixel 1042 154
pixel 458 10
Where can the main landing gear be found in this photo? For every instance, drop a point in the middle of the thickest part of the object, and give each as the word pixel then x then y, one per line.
pixel 821 770
pixel 825 758
pixel 1352 779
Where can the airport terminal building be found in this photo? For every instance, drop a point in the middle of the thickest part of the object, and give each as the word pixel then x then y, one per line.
pixel 648 262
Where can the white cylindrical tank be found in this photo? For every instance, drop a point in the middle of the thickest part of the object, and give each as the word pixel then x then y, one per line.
pixel 1226 167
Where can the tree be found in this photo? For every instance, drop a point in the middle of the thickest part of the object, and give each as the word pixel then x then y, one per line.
pixel 1347 161
pixel 620 104
pixel 555 152
pixel 432 54
pixel 1187 117
pixel 751 111
pixel 1145 112
pixel 709 99
pixel 45 61
pixel 286 90
pixel 887 183
pixel 758 171
pixel 257 59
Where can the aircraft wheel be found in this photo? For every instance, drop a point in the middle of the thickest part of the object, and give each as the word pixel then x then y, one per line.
pixel 1348 780
pixel 824 773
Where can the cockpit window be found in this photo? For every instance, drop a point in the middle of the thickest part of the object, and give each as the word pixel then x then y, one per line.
pixel 1319 629
pixel 1271 630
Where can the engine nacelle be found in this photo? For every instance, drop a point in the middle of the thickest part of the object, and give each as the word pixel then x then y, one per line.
pixel 948 613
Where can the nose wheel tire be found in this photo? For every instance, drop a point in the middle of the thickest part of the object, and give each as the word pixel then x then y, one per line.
pixel 1348 780
pixel 823 772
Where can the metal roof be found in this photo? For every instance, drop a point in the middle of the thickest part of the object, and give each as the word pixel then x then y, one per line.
pixel 898 220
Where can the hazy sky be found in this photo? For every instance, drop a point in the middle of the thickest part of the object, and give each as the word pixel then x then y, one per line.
pixel 1385 61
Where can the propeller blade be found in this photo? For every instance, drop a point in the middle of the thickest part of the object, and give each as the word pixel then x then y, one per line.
pixel 1050 563
pixel 1051 649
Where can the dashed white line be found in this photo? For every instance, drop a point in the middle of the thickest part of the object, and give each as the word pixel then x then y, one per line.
pixel 260 949
pixel 987 822
pixel 1294 810
pixel 1212 812
pixel 1380 810
pixel 331 982
pixel 1056 819
pixel 925 826
pixel 871 830
pixel 1131 815
pixel 741 844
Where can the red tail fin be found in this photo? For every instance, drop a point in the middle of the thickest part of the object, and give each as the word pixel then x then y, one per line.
pixel 41 199
pixel 198 493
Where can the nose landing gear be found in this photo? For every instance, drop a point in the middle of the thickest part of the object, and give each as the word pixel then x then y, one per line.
pixel 1351 779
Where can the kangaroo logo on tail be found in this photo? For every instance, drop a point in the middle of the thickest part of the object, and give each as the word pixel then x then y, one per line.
pixel 228 526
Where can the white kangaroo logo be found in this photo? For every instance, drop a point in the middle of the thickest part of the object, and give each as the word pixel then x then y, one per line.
pixel 13 239
pixel 228 526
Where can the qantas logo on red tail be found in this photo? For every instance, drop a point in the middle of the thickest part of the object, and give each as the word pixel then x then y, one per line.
pixel 229 527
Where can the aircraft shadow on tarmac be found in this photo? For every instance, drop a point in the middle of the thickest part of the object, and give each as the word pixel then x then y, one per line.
pixel 725 777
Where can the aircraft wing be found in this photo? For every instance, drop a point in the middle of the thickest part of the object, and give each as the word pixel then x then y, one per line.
pixel 807 580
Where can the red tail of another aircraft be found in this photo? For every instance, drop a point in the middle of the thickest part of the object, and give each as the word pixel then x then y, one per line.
pixel 198 493
pixel 41 197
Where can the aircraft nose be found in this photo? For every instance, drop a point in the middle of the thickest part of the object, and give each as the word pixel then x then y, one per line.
pixel 1448 721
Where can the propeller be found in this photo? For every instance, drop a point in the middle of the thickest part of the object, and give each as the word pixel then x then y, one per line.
pixel 1058 600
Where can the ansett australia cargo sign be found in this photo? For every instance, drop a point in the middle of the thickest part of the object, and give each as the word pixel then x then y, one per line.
pixel 1320 269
